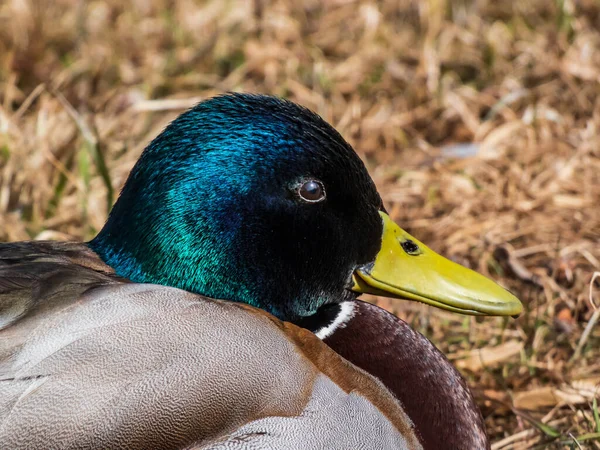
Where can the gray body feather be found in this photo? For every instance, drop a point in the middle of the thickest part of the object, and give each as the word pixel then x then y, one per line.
pixel 102 363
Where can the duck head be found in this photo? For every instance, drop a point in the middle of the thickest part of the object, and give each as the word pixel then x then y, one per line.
pixel 257 200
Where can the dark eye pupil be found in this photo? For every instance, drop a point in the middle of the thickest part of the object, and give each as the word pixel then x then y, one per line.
pixel 311 191
pixel 409 246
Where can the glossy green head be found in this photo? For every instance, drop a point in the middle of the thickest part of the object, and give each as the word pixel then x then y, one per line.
pixel 257 200
pixel 247 198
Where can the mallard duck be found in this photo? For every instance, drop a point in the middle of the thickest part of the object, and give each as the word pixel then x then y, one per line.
pixel 217 308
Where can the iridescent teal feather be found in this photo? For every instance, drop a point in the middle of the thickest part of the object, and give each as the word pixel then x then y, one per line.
pixel 215 197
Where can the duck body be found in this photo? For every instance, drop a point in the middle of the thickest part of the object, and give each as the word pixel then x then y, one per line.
pixel 432 392
pixel 93 361
pixel 217 308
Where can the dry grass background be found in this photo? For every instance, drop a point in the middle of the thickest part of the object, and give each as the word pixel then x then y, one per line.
pixel 478 120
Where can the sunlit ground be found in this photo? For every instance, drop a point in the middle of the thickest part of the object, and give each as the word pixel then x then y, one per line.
pixel 477 119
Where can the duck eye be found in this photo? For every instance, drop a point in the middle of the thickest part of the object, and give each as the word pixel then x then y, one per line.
pixel 312 191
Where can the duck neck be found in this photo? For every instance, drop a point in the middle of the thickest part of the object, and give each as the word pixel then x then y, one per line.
pixel 431 390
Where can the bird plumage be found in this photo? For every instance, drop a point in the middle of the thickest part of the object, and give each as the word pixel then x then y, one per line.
pixel 99 362
pixel 185 322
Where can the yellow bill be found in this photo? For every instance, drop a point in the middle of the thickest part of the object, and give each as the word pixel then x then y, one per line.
pixel 405 268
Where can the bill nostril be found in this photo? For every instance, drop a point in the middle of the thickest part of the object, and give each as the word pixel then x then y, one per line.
pixel 410 247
